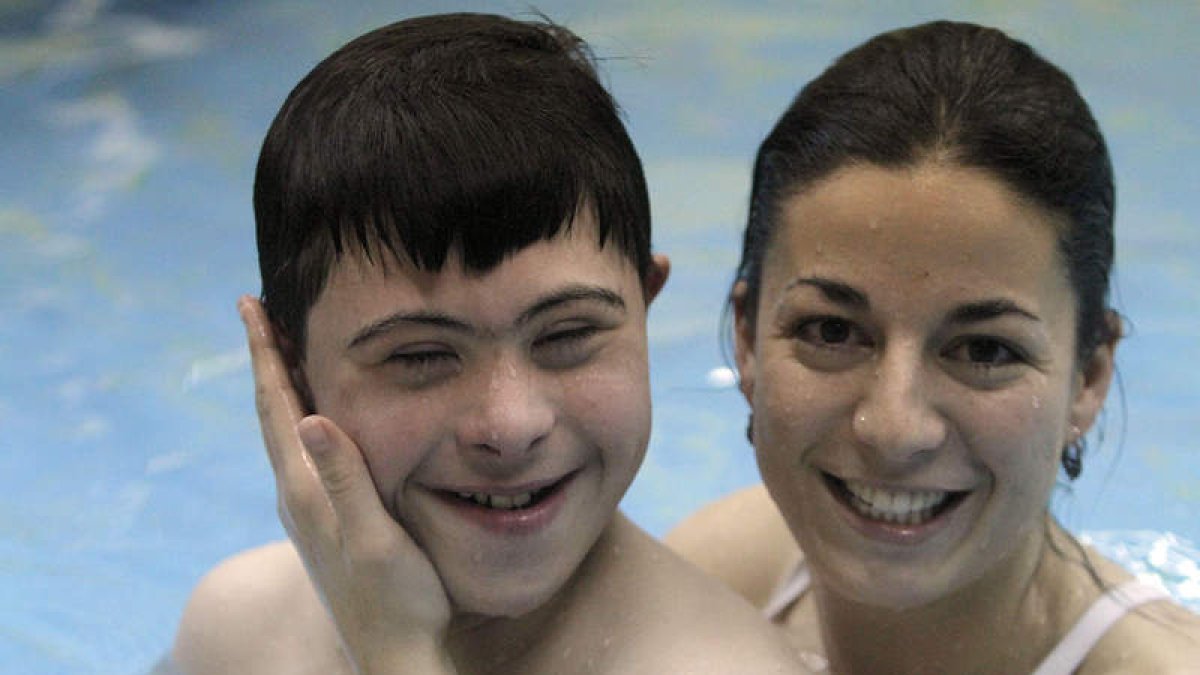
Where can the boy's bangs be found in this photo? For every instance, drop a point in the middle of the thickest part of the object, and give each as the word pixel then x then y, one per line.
pixel 472 185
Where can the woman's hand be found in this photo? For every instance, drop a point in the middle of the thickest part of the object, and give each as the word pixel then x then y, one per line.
pixel 383 593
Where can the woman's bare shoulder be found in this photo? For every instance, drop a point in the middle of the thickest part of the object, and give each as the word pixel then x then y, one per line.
pixel 1159 637
pixel 256 611
pixel 741 539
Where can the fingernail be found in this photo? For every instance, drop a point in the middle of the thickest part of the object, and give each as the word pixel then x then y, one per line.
pixel 242 309
pixel 314 437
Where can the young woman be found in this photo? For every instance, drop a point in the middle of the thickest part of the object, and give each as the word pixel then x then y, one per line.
pixel 922 331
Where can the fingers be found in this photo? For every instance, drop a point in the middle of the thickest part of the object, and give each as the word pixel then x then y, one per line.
pixel 279 408
pixel 362 521
pixel 325 489
pixel 302 506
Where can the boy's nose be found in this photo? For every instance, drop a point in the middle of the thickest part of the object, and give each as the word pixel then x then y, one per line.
pixel 510 413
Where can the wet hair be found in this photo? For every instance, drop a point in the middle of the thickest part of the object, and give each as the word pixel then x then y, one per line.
pixel 470 133
pixel 963 95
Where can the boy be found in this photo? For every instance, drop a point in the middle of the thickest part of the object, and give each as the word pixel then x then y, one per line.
pixel 451 369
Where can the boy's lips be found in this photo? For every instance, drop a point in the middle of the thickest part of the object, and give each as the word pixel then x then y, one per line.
pixel 509 509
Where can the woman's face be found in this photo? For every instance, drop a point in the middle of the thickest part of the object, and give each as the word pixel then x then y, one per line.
pixel 502 414
pixel 913 377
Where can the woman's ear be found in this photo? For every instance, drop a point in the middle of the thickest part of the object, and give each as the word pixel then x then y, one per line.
pixel 1095 376
pixel 743 338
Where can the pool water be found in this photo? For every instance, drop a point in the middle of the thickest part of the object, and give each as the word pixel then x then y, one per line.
pixel 129 449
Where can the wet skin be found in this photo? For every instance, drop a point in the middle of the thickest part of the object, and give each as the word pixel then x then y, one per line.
pixel 502 415
pixel 913 374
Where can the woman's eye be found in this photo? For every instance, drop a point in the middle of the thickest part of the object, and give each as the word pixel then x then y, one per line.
pixel 986 352
pixel 829 343
pixel 830 332
pixel 987 362
pixel 834 331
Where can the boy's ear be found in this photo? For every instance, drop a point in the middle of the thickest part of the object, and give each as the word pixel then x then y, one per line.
pixel 743 339
pixel 295 365
pixel 655 277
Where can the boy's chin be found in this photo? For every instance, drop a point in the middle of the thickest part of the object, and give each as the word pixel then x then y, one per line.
pixel 502 603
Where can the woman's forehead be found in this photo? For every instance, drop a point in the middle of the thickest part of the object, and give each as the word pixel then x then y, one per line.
pixel 917 231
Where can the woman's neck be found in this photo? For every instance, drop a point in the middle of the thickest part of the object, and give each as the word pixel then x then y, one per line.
pixel 1009 618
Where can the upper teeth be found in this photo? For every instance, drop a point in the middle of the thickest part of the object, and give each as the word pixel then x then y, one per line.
pixel 907 507
pixel 499 501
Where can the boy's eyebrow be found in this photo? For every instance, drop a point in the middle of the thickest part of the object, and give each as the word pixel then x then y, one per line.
pixel 562 296
pixel 572 293
pixel 841 293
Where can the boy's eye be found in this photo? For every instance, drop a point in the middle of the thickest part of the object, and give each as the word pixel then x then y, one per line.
pixel 565 347
pixel 420 367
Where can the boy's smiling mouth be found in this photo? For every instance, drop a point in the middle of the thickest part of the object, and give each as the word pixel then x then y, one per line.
pixel 507 501
pixel 520 509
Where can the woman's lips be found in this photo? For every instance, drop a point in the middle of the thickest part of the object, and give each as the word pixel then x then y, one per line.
pixel 894 514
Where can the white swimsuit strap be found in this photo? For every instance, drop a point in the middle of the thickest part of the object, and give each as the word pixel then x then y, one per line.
pixel 787 591
pixel 1095 622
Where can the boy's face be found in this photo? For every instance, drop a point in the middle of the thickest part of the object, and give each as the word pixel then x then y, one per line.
pixel 502 415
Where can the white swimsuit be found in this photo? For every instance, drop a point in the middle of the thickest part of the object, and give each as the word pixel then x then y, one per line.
pixel 1062 660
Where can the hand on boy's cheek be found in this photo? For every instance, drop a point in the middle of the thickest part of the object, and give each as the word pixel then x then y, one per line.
pixel 379 587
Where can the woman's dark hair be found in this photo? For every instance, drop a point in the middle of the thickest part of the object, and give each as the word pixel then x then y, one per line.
pixel 466 132
pixel 961 94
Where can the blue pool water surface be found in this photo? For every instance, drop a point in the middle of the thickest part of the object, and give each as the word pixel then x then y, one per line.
pixel 130 459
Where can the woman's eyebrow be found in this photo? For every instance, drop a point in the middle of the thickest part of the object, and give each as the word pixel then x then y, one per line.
pixel 985 310
pixel 837 292
pixel 841 293
pixel 557 298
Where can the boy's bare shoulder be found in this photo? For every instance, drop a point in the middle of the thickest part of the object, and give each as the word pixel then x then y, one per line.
pixel 256 612
pixel 741 539
pixel 679 619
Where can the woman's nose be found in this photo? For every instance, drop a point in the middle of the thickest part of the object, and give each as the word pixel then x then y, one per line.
pixel 510 411
pixel 897 416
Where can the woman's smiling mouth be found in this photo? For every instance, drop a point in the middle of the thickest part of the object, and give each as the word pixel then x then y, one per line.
pixel 892 506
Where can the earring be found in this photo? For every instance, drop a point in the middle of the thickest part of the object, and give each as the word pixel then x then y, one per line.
pixel 750 429
pixel 1072 454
